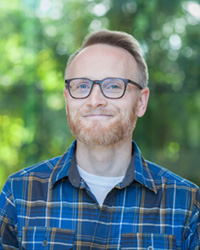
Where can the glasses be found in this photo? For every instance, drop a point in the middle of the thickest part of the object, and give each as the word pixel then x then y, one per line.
pixel 113 88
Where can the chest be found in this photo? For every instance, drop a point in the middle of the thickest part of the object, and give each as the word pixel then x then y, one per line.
pixel 131 218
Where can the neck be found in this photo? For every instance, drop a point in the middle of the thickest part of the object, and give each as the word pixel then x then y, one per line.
pixel 111 160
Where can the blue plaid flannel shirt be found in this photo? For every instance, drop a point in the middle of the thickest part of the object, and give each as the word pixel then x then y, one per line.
pixel 49 206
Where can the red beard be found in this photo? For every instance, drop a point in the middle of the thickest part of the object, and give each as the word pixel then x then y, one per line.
pixel 100 133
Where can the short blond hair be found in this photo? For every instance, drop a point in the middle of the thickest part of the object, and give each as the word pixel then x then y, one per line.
pixel 121 40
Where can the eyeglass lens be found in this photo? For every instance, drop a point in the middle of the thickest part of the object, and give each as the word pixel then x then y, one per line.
pixel 111 88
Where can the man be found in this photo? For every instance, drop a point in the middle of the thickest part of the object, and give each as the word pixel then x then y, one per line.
pixel 101 194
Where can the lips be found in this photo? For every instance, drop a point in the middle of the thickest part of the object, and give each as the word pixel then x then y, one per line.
pixel 97 116
pixel 93 115
pixel 97 113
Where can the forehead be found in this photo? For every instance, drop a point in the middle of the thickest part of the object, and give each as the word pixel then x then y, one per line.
pixel 102 58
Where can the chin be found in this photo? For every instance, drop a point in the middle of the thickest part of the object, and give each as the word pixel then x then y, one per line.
pixel 101 135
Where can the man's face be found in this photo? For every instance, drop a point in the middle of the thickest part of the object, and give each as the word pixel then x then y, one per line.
pixel 97 120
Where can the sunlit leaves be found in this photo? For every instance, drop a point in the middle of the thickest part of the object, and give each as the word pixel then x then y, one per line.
pixel 37 37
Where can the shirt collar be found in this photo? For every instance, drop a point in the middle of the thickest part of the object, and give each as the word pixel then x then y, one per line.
pixel 138 170
pixel 143 175
pixel 66 167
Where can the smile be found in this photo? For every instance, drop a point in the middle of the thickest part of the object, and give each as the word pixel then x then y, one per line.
pixel 98 116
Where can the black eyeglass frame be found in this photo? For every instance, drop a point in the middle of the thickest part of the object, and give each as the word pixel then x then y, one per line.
pixel 99 82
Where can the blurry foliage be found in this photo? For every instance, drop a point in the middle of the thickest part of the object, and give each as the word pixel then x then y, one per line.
pixel 37 37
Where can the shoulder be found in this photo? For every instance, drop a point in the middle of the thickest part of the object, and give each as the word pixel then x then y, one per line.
pixel 43 168
pixel 174 190
pixel 160 173
pixel 38 173
pixel 19 180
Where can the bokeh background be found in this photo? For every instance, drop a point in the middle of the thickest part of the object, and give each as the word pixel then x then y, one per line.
pixel 36 39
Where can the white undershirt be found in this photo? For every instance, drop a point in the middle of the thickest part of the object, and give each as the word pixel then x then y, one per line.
pixel 100 186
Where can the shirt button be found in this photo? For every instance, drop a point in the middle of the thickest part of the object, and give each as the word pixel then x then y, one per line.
pixel 150 248
pixel 45 243
pixel 96 206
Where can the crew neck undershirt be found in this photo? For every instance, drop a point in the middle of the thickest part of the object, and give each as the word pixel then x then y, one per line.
pixel 100 186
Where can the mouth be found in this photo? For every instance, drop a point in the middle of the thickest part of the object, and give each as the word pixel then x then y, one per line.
pixel 97 116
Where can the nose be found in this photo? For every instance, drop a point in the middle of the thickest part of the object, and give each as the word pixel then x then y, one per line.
pixel 96 98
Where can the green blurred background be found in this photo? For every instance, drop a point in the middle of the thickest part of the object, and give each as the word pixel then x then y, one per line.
pixel 37 37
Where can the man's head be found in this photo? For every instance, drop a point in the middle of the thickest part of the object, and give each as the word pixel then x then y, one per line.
pixel 104 116
pixel 121 40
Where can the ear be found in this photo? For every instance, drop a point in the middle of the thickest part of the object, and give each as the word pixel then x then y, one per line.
pixel 142 102
pixel 66 99
pixel 65 94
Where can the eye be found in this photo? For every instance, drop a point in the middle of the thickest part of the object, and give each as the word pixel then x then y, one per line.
pixel 81 84
pixel 113 85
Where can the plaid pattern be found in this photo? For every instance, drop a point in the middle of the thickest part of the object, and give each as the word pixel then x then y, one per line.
pixel 49 206
pixel 53 238
pixel 141 241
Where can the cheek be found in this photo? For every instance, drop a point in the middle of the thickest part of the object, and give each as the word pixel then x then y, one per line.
pixel 73 107
pixel 129 106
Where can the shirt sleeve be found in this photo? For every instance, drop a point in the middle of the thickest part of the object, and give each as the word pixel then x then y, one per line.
pixel 192 235
pixel 8 219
